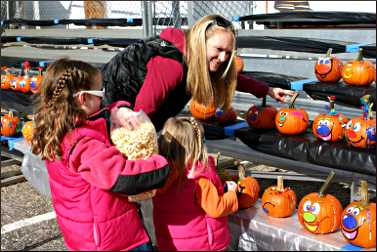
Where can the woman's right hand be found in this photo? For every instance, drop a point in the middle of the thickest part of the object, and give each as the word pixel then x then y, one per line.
pixel 124 117
pixel 231 186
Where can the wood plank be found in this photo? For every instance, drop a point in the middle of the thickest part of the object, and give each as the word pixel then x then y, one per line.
pixel 13 180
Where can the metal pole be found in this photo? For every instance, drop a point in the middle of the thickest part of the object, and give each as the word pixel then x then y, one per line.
pixel 36 13
pixel 176 14
pixel 147 19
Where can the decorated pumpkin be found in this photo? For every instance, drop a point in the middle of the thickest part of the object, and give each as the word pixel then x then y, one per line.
pixel 329 127
pixel 359 220
pixel 10 124
pixel 359 72
pixel 36 81
pixel 201 111
pixel 320 213
pixel 6 77
pixel 27 131
pixel 278 201
pixel 227 116
pixel 23 81
pixel 328 68
pixel 248 191
pixel 360 132
pixel 239 64
pixel 291 121
pixel 261 117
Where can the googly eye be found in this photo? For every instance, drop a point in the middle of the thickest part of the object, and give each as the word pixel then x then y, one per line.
pixel 349 210
pixel 356 211
pixel 307 205
pixel 356 127
pixel 349 124
pixel 316 208
pixel 327 61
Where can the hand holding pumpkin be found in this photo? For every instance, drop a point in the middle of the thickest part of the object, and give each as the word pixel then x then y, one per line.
pixel 231 186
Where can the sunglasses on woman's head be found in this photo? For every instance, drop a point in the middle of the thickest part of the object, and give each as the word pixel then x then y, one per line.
pixel 98 93
pixel 220 21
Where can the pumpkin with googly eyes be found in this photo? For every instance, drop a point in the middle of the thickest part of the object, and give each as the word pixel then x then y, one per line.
pixel 358 224
pixel 291 121
pixel 360 132
pixel 329 126
pixel 261 117
pixel 328 68
pixel 320 213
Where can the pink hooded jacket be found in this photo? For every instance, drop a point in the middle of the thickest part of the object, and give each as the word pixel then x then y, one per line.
pixel 181 224
pixel 85 184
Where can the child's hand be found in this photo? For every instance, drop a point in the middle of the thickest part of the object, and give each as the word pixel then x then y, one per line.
pixel 124 117
pixel 232 186
pixel 142 196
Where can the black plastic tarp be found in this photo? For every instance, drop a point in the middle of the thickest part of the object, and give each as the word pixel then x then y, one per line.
pixel 317 17
pixel 305 148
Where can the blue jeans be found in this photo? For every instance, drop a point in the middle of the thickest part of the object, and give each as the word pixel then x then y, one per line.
pixel 143 247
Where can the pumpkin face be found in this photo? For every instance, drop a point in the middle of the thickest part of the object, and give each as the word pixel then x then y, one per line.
pixel 261 117
pixel 328 69
pixel 10 125
pixel 359 224
pixel 248 192
pixel 279 204
pixel 227 116
pixel 239 64
pixel 329 128
pixel 27 131
pixel 200 111
pixel 319 215
pixel 291 121
pixel 361 133
pixel 359 72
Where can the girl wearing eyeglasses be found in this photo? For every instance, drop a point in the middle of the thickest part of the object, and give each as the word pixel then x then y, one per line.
pixel 161 75
pixel 89 178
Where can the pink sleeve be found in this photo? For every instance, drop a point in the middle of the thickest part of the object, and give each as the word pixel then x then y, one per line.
pixel 250 85
pixel 163 76
pixel 105 167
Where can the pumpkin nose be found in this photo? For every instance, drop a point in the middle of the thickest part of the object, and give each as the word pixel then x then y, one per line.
pixel 323 130
pixel 323 69
pixel 349 222
pixel 309 217
pixel 351 134
pixel 282 118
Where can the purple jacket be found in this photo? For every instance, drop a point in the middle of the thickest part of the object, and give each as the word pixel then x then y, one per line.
pixel 87 186
pixel 181 224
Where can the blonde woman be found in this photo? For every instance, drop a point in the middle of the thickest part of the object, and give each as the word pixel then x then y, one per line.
pixel 161 75
pixel 190 213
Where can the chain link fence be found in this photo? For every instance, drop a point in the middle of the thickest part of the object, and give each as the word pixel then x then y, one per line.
pixel 155 14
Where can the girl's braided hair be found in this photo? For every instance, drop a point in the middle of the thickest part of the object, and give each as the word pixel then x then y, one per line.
pixel 56 111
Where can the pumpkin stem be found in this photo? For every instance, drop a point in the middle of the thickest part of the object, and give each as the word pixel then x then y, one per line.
pixel 328 53
pixel 326 184
pixel 293 99
pixel 241 172
pixel 332 104
pixel 370 111
pixel 264 101
pixel 360 55
pixel 280 185
pixel 217 159
pixel 363 190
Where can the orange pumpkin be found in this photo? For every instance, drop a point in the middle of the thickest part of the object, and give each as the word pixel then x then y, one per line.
pixel 6 77
pixel 27 131
pixel 227 116
pixel 328 68
pixel 291 121
pixel 359 221
pixel 200 111
pixel 10 124
pixel 261 117
pixel 248 192
pixel 239 64
pixel 278 201
pixel 329 127
pixel 359 72
pixel 320 213
pixel 23 84
pixel 360 132
pixel 36 81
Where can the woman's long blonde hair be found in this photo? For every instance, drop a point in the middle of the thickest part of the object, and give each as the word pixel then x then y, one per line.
pixel 201 84
pixel 182 143
pixel 56 111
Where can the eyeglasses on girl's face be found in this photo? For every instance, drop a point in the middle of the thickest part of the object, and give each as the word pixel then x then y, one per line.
pixel 220 21
pixel 98 93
